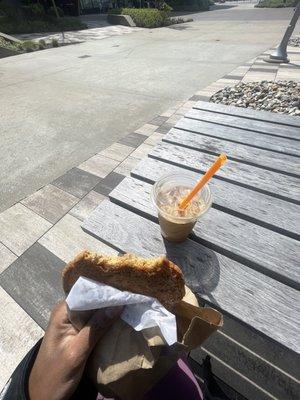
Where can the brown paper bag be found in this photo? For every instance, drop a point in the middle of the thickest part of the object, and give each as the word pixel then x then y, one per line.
pixel 126 364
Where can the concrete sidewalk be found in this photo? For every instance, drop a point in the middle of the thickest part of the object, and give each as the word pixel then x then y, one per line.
pixel 60 106
pixel 85 35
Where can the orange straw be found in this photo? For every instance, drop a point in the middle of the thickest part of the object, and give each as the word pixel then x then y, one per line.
pixel 221 160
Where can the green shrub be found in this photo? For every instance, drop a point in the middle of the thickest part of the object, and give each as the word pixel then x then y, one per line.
pixel 31 12
pixel 23 26
pixel 163 6
pixel 42 44
pixel 37 11
pixel 277 3
pixel 117 11
pixel 38 26
pixel 15 46
pixel 52 12
pixel 145 17
pixel 10 12
pixel 54 42
pixel 167 8
pixel 29 46
pixel 190 5
pixel 69 24
pixel 12 27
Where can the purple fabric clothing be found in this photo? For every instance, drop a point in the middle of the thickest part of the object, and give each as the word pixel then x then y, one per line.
pixel 178 384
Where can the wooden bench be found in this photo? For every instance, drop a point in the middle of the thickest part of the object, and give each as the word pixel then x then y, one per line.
pixel 243 257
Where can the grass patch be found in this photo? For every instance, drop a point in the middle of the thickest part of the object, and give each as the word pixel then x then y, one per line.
pixel 277 3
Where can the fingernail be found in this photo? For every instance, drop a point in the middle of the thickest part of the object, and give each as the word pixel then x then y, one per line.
pixel 112 312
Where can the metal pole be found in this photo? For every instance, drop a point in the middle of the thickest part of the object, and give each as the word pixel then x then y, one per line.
pixel 280 54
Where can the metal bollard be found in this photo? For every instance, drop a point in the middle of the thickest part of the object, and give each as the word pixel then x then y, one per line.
pixel 280 54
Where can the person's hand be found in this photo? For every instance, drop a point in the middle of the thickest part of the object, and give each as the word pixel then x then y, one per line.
pixel 64 351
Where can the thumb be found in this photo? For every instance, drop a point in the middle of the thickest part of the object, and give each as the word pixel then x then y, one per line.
pixel 97 326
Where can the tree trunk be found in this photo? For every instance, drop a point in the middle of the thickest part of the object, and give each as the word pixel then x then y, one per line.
pixel 55 9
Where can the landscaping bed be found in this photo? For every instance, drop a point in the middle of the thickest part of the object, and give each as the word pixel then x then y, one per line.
pixel 35 18
pixel 276 3
pixel 294 41
pixel 151 17
pixel 281 97
pixel 19 47
pixel 145 17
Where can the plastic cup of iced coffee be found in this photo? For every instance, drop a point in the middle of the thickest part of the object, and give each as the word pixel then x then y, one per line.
pixel 176 224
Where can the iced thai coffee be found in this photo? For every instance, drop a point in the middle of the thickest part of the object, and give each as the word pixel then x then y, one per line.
pixel 177 224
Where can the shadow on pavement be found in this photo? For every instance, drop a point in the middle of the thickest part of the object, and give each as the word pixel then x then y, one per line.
pixel 218 7
pixel 191 13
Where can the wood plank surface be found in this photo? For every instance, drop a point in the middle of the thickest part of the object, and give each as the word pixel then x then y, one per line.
pixel 278 162
pixel 232 377
pixel 238 135
pixel 259 115
pixel 268 128
pixel 263 347
pixel 242 257
pixel 198 371
pixel 274 254
pixel 253 367
pixel 256 207
pixel 269 182
pixel 265 304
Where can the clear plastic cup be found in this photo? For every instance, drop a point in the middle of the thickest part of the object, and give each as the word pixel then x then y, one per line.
pixel 166 194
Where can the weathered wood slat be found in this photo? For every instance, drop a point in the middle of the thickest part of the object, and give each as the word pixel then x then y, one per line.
pixel 260 115
pixel 265 375
pixel 198 372
pixel 270 252
pixel 261 302
pixel 268 211
pixel 263 347
pixel 237 135
pixel 269 182
pixel 277 162
pixel 232 377
pixel 247 124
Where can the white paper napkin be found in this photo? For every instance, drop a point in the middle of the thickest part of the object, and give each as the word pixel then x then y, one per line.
pixel 140 311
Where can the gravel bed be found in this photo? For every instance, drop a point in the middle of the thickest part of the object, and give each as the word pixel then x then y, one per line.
pixel 281 97
pixel 294 41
